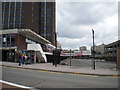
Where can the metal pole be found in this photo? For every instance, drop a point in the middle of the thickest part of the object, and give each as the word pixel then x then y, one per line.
pixel 70 57
pixel 93 53
pixel 55 39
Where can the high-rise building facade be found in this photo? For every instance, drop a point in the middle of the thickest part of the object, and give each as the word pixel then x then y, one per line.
pixel 26 23
pixel 37 16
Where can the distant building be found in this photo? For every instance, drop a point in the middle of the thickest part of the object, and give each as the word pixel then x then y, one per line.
pixel 82 53
pixel 111 50
pixel 100 49
pixel 83 48
pixel 77 53
pixel 65 51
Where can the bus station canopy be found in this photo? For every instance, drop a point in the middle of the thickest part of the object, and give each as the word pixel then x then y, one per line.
pixel 28 34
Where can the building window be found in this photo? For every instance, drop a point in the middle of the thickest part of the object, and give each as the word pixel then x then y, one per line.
pixel 48 34
pixel 4 39
pixel 45 9
pixel 8 40
pixel 118 45
pixel 43 27
pixel 12 5
pixel 18 4
pixel 42 3
pixel 45 21
pixel 49 3
pixel 48 15
pixel 6 5
pixel 48 28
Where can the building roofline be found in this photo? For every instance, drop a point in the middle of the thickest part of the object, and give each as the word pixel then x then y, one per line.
pixel 28 33
pixel 113 43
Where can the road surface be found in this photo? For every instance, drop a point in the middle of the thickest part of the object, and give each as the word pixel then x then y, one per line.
pixel 89 63
pixel 42 79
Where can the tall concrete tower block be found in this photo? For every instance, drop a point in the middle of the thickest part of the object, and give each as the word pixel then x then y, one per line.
pixel 0 15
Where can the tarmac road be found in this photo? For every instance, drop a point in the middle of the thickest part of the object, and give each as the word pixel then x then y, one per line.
pixel 41 79
pixel 89 63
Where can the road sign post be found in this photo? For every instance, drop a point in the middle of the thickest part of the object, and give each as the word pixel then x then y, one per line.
pixel 93 50
pixel 70 57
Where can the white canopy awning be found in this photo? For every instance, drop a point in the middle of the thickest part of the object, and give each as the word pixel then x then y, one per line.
pixel 28 34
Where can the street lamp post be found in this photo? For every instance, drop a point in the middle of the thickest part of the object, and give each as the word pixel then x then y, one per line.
pixel 93 51
pixel 70 57
pixel 55 39
pixel 56 34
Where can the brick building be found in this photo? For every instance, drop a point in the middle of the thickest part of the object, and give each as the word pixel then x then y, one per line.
pixel 26 23
pixel 37 16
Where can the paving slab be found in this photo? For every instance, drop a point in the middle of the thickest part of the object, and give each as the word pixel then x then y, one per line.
pixel 65 68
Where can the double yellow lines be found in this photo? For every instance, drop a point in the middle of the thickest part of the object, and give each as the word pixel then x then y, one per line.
pixel 62 72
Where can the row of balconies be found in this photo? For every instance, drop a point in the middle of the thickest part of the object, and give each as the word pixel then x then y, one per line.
pixel 110 49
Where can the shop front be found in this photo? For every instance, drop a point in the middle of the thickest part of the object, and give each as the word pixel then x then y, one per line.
pixel 8 55
pixel 15 40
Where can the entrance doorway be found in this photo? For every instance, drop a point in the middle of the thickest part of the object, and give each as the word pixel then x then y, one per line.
pixel 8 55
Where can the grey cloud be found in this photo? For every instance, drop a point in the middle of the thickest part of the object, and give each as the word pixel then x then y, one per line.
pixel 76 14
pixel 76 20
pixel 74 43
pixel 66 30
pixel 86 13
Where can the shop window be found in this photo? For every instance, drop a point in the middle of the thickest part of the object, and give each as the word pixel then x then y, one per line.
pixel 118 45
pixel 12 39
pixel 8 39
pixel 4 39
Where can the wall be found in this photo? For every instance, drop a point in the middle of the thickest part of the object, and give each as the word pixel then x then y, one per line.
pixel 118 58
pixel 31 14
pixel 20 42
pixel 100 48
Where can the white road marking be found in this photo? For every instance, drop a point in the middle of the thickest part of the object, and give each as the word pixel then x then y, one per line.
pixel 16 85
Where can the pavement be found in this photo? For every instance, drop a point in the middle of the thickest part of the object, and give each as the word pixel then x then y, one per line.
pixel 11 87
pixel 65 69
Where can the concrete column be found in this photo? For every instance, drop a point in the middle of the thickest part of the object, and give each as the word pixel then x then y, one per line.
pixel 118 58
pixel 35 57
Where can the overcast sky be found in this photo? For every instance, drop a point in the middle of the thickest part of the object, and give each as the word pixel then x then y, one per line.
pixel 75 21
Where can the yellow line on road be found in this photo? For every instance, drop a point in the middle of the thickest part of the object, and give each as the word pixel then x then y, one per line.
pixel 115 76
